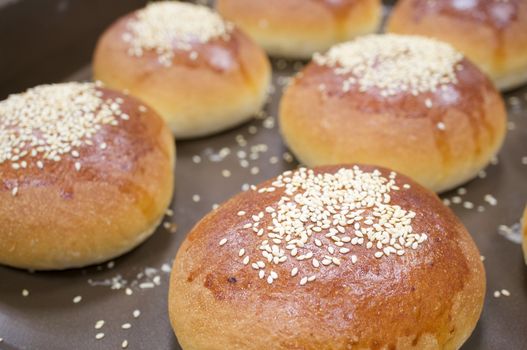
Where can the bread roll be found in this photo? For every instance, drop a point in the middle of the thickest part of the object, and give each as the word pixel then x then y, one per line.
pixel 338 257
pixel 299 28
pixel 491 33
pixel 524 228
pixel 86 174
pixel 409 103
pixel 200 73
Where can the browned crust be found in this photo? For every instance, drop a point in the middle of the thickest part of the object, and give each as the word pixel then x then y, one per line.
pixel 430 298
pixel 324 125
pixel 63 218
pixel 298 28
pixel 223 87
pixel 499 50
pixel 524 229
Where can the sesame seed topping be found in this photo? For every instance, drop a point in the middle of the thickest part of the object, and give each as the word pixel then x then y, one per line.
pixel 320 217
pixel 392 64
pixel 47 122
pixel 99 324
pixel 77 299
pixel 223 241
pixel 99 336
pixel 168 25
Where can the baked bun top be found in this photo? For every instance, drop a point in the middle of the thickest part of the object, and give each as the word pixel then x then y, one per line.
pixel 496 14
pixel 411 76
pixel 390 64
pixel 60 134
pixel 309 222
pixel 178 33
pixel 329 257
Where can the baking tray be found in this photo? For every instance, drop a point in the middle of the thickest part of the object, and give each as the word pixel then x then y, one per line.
pixel 65 310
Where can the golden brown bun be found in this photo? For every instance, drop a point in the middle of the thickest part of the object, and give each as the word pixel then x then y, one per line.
pixel 299 28
pixel 329 126
pixel 429 298
pixel 224 86
pixel 62 218
pixel 498 45
pixel 524 227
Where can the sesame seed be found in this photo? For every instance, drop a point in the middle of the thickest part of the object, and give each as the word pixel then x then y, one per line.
pixel 14 191
pixel 77 166
pixel 126 326
pixel 196 159
pixel 468 205
pixel 124 344
pixel 497 294
pixel 25 293
pixel 441 126
pixel 428 103
pixel 294 271
pixel 226 173
pixel 491 199
pixel 77 299
pixel 136 313
pixel 196 198
pixel 505 292
pixel 241 213
pixel 223 241
pixel 303 281
pixel 99 324
pixel 99 336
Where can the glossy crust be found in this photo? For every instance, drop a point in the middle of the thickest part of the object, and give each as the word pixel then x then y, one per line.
pixel 223 87
pixel 299 28
pixel 328 126
pixel 498 47
pixel 524 227
pixel 62 218
pixel 430 298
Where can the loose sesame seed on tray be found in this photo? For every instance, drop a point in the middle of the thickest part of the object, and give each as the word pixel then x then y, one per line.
pixel 324 209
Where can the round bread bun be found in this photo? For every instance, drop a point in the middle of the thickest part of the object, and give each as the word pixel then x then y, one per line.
pixel 409 103
pixel 86 174
pixel 286 265
pixel 489 32
pixel 299 28
pixel 200 73
pixel 524 228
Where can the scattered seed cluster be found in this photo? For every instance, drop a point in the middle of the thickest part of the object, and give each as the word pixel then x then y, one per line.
pixel 332 212
pixel 48 122
pixel 169 25
pixel 393 64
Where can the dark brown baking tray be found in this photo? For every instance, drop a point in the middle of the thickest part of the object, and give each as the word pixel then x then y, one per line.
pixel 48 318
